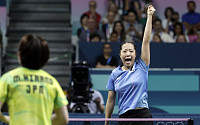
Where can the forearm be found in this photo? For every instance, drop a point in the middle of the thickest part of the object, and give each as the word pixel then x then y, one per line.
pixel 148 29
pixel 109 110
pixel 60 117
pixel 101 108
pixel 4 118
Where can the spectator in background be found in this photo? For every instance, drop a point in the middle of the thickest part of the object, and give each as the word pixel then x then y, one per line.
pixel 119 29
pixel 191 18
pixel 95 104
pixel 114 37
pixel 106 60
pixel 84 24
pixel 157 28
pixel 107 28
pixel 135 5
pixel 167 21
pixel 31 93
pixel 198 38
pixel 133 28
pixel 92 12
pixel 95 37
pixel 111 7
pixel 85 36
pixel 192 34
pixel 156 38
pixel 174 19
pixel 181 39
pixel 178 30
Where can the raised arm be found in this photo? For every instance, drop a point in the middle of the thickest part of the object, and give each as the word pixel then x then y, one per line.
pixel 145 52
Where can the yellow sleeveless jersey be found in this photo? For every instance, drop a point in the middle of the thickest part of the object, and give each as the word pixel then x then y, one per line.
pixel 31 95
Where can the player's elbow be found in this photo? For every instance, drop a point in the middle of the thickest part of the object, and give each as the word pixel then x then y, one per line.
pixel 65 121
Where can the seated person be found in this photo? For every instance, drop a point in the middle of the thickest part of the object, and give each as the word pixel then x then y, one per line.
pixel 96 104
pixel 181 39
pixel 156 38
pixel 114 37
pixel 95 37
pixel 106 60
pixel 84 27
pixel 85 36
pixel 198 37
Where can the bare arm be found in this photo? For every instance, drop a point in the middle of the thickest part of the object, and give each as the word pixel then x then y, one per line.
pixel 60 117
pixel 110 105
pixel 99 105
pixel 145 54
pixel 4 118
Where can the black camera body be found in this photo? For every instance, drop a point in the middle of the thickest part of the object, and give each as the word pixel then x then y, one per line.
pixel 80 85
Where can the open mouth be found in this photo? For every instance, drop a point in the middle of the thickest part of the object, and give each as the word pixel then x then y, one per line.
pixel 128 59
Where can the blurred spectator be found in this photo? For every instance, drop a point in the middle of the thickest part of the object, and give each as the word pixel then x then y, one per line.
pixel 167 21
pixel 95 37
pixel 192 35
pixel 111 7
pixel 144 14
pixel 133 28
pixel 92 12
pixel 106 60
pixel 136 6
pixel 157 28
pixel 119 29
pixel 198 37
pixel 95 105
pixel 191 18
pixel 84 26
pixel 174 19
pixel 114 37
pixel 156 38
pixel 85 36
pixel 198 28
pixel 178 30
pixel 108 27
pixel 181 39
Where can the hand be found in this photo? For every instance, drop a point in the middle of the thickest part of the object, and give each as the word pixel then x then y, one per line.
pixel 150 10
pixel 97 101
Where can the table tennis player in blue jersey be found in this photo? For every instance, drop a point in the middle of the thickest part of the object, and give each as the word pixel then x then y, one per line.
pixel 129 81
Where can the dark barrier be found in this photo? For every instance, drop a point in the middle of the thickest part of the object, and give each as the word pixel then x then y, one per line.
pixel 163 55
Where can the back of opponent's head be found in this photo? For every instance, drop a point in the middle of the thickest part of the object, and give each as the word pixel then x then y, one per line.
pixel 33 52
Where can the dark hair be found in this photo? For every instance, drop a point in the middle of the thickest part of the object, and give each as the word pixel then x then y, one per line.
pixel 106 43
pixel 157 20
pixel 178 24
pixel 168 8
pixel 83 16
pixel 128 42
pixel 93 35
pixel 191 1
pixel 33 51
pixel 123 34
pixel 175 13
pixel 133 11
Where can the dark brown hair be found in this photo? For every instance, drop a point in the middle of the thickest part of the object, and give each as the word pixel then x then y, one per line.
pixel 33 51
pixel 128 42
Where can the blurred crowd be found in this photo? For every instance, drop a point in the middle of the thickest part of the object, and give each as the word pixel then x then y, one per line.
pixel 125 22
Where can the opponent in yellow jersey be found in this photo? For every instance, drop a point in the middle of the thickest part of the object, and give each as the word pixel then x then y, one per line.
pixel 32 94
